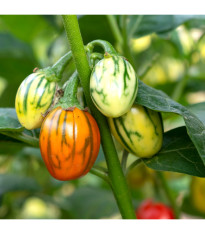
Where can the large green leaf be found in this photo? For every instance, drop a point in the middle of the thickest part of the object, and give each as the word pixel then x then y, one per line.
pixel 13 182
pixel 13 130
pixel 199 110
pixel 159 101
pixel 26 27
pixel 140 25
pixel 178 154
pixel 174 121
pixel 10 145
pixel 17 61
pixel 94 27
pixel 9 120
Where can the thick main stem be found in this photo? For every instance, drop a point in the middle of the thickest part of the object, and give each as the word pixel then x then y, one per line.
pixel 118 182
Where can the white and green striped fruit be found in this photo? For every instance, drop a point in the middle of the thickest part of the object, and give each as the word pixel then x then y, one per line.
pixel 139 131
pixel 113 86
pixel 34 97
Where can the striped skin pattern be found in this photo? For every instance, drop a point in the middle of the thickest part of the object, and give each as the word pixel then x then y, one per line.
pixel 139 131
pixel 33 98
pixel 113 86
pixel 69 143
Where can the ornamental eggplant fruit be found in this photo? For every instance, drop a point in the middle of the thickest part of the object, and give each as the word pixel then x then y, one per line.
pixel 139 131
pixel 34 97
pixel 113 86
pixel 150 210
pixel 69 143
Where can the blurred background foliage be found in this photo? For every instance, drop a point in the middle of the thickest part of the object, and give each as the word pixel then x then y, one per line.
pixel 168 53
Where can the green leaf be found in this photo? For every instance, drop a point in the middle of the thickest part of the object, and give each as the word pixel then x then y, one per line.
pixel 139 25
pixel 199 110
pixel 178 154
pixel 9 120
pixel 17 61
pixel 175 121
pixel 159 101
pixel 13 182
pixel 10 126
pixel 90 203
pixel 10 145
pixel 94 27
pixel 25 27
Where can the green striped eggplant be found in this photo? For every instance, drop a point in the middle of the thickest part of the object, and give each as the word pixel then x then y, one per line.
pixel 113 86
pixel 34 97
pixel 139 131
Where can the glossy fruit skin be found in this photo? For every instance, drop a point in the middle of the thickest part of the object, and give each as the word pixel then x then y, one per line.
pixel 69 143
pixel 139 131
pixel 150 210
pixel 113 86
pixel 34 97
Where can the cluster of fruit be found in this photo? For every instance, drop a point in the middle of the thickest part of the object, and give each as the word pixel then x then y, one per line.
pixel 70 137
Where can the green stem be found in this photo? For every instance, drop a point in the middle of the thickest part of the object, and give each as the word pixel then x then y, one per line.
pixel 108 48
pixel 134 164
pixel 135 26
pixel 100 173
pixel 115 29
pixel 124 160
pixel 126 45
pixel 61 64
pixel 169 194
pixel 149 66
pixel 179 89
pixel 21 136
pixel 119 185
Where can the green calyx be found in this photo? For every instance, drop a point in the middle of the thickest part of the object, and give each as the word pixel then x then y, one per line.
pixel 69 98
pixel 49 73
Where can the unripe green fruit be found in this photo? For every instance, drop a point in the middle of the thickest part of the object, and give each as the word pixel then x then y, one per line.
pixel 139 131
pixel 34 97
pixel 113 86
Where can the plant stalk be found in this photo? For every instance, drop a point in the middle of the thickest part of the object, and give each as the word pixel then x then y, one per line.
pixel 100 173
pixel 61 64
pixel 119 185
pixel 126 44
pixel 115 29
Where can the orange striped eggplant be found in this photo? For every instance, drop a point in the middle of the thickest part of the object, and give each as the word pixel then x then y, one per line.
pixel 69 143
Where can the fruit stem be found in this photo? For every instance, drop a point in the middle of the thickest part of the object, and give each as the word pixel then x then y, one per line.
pixel 21 136
pixel 107 47
pixel 100 173
pixel 61 64
pixel 124 160
pixel 119 185
pixel 134 164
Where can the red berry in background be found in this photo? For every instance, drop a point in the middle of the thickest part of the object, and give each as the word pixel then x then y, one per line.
pixel 150 210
